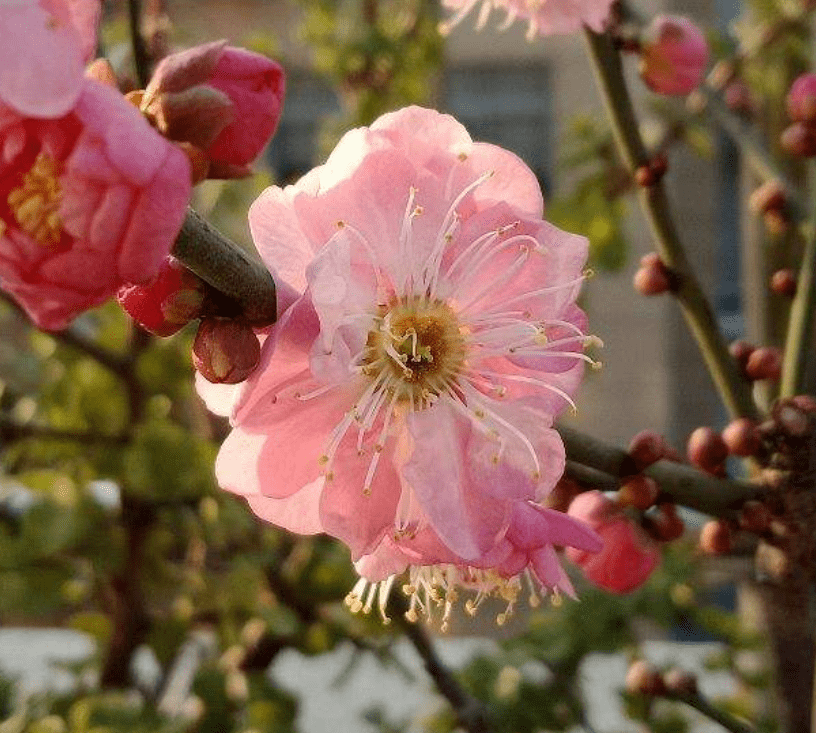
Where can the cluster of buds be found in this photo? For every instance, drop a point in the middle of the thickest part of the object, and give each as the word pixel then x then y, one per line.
pixel 757 363
pixel 799 138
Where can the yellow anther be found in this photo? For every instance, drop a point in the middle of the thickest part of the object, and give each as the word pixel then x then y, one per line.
pixel 35 203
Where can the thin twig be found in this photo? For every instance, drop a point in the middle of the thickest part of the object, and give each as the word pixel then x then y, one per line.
pixel 732 386
pixel 471 713
pixel 704 706
pixel 799 337
pixel 141 59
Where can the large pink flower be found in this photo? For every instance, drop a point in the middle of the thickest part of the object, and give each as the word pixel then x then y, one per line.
pixel 544 17
pixel 431 339
pixel 628 556
pixel 44 46
pixel 88 201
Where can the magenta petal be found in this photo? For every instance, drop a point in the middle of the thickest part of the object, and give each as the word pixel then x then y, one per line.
pixel 438 471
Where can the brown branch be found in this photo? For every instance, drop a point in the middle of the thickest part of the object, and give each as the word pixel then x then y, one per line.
pixel 141 59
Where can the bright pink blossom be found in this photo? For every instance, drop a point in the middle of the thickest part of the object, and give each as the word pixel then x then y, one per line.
pixel 232 96
pixel 674 54
pixel 628 556
pixel 88 202
pixel 433 337
pixel 544 18
pixel 42 53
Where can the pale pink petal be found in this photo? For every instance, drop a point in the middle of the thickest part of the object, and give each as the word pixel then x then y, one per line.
pixel 468 522
pixel 220 399
pixel 40 62
pixel 298 513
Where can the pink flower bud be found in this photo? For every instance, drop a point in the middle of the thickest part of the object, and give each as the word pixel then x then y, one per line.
pixel 681 682
pixel 225 351
pixel 226 100
pixel 652 278
pixel 643 679
pixel 739 99
pixel 741 437
pixel 801 100
pixel 648 447
pixel 674 55
pixel 764 363
pixel 783 282
pixel 770 196
pixel 628 557
pixel 706 449
pixel 799 139
pixel 164 306
pixel 715 537
pixel 741 351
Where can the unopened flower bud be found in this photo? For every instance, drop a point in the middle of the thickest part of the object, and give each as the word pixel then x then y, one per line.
pixel 783 282
pixel 648 447
pixel 741 351
pixel 755 517
pixel 715 537
pixel 674 55
pixel 680 682
pixel 804 402
pixel 764 363
pixel 770 196
pixel 741 436
pixel 706 449
pixel 225 351
pixel 639 491
pixel 739 99
pixel 801 99
pixel 663 523
pixel 799 139
pixel 167 304
pixel 643 679
pixel 653 277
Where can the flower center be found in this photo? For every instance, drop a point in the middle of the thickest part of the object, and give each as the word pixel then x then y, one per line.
pixel 35 203
pixel 417 349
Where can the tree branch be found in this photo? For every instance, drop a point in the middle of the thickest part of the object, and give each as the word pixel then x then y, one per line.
pixel 141 59
pixel 685 485
pixel 733 388
pixel 11 430
pixel 224 265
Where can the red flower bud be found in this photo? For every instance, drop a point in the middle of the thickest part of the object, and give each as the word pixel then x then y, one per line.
pixel 742 437
pixel 801 100
pixel 755 517
pixel 715 537
pixel 706 449
pixel 741 351
pixel 674 55
pixel 764 363
pixel 770 196
pixel 647 447
pixel 639 491
pixel 653 277
pixel 799 139
pixel 681 682
pixel 225 351
pixel 167 304
pixel 783 282
pixel 643 679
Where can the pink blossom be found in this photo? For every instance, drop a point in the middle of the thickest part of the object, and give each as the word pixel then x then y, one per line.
pixel 628 556
pixel 88 202
pixel 44 47
pixel 544 17
pixel 674 55
pixel 240 92
pixel 801 99
pixel 525 556
pixel 431 336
